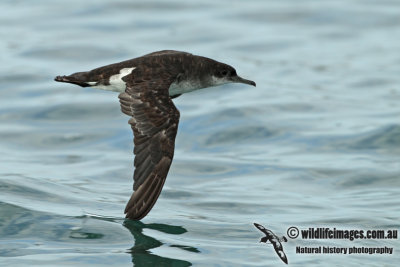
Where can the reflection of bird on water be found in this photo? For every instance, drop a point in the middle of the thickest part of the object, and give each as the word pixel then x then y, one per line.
pixel 141 254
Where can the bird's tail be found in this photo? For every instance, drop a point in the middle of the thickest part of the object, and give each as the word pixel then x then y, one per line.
pixel 78 78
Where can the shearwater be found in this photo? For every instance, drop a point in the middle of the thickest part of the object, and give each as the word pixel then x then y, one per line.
pixel 146 85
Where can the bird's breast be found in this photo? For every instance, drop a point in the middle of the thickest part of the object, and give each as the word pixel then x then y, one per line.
pixel 186 86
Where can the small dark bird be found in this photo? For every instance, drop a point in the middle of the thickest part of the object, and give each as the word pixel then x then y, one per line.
pixel 274 240
pixel 146 85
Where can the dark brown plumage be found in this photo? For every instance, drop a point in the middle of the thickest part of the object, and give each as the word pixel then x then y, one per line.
pixel 154 123
pixel 146 85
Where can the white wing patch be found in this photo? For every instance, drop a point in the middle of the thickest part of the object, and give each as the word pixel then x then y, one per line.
pixel 116 82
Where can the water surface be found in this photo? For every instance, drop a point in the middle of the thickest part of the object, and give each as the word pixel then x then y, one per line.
pixel 315 144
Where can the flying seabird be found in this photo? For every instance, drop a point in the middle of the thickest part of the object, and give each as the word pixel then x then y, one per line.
pixel 274 240
pixel 146 85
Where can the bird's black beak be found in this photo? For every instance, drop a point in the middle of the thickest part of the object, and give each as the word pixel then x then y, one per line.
pixel 238 79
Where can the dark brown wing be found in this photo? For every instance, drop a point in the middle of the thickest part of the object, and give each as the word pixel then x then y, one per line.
pixel 154 123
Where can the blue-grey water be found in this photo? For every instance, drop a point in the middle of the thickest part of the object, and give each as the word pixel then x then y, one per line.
pixel 315 144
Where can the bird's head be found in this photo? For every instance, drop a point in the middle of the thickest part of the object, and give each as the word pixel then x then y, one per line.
pixel 222 73
pixel 214 73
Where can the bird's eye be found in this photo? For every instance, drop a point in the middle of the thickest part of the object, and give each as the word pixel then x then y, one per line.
pixel 224 72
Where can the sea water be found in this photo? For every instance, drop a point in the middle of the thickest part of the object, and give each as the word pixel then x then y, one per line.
pixel 315 145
